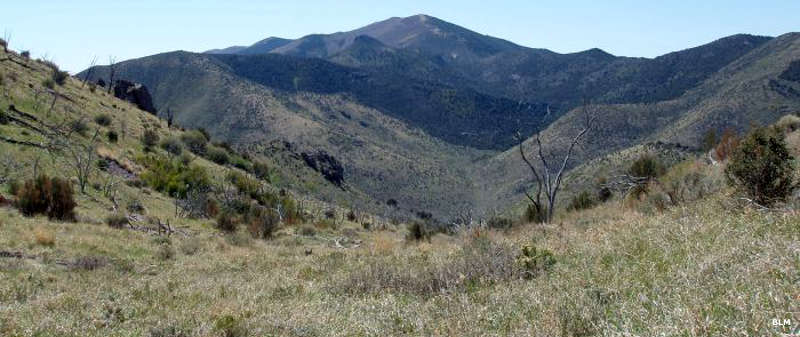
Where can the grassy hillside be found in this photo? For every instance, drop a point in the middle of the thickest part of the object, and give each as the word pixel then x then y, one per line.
pixel 707 266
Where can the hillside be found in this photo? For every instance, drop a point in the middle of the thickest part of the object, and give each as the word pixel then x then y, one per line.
pixel 620 268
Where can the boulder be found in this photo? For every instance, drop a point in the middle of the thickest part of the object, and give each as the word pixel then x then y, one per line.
pixel 327 165
pixel 135 93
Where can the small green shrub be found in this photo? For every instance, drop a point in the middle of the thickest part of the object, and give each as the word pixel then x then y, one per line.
pixel 172 145
pixel 581 201
pixel 103 119
pixel 226 222
pixel 499 223
pixel 172 176
pixel 150 138
pixel 535 261
pixel 230 326
pixel 4 120
pixel 49 83
pixel 60 76
pixel 117 220
pixel 418 231
pixel 218 155
pixel 261 170
pixel 79 126
pixel 762 167
pixel 245 184
pixel 43 195
pixel 647 166
pixel 535 214
pixel 112 136
pixel 195 141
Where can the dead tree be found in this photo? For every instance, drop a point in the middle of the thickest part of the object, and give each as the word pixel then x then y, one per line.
pixel 112 68
pixel 81 158
pixel 90 71
pixel 548 177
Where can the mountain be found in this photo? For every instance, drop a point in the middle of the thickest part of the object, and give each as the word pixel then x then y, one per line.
pixel 424 112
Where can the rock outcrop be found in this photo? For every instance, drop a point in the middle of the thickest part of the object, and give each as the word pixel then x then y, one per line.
pixel 327 165
pixel 135 93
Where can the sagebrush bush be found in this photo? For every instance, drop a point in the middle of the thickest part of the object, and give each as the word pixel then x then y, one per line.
pixel 762 167
pixel 103 119
pixel 43 195
pixel 647 166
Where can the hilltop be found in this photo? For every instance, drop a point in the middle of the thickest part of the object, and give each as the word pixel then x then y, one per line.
pixel 425 112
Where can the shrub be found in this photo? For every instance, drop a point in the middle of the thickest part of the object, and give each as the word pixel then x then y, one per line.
pixel 761 167
pixel 195 141
pixel 499 223
pixel 26 54
pixel 4 44
pixel 535 261
pixel 116 220
pixel 49 83
pixel 190 246
pixel 59 76
pixel 226 222
pixel 172 145
pixel 150 138
pixel 79 126
pixel 581 201
pixel 172 176
pixel 230 326
pixel 241 163
pixel 263 222
pixel 535 214
pixel 604 194
pixel 261 170
pixel 647 166
pixel 53 197
pixel 727 143
pixel 418 231
pixel 217 155
pixel 246 185
pixel 112 136
pixel 165 252
pixel 103 119
pixel 4 120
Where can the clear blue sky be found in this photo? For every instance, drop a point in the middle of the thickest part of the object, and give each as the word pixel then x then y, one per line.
pixel 71 32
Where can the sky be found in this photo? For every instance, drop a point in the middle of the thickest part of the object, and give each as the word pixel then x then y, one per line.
pixel 71 33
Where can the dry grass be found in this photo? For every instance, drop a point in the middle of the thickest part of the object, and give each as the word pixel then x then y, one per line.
pixel 44 237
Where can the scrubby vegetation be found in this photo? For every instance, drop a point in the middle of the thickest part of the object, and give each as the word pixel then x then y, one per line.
pixel 170 243
pixel 761 166
pixel 49 196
